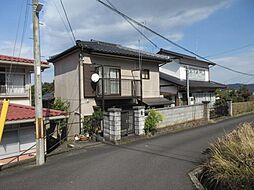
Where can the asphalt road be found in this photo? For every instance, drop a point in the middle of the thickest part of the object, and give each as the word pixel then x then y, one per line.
pixel 159 163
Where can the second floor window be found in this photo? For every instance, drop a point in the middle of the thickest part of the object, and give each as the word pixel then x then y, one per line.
pixel 114 75
pixel 111 80
pixel 145 74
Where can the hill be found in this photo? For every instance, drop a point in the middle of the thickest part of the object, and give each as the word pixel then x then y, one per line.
pixel 236 86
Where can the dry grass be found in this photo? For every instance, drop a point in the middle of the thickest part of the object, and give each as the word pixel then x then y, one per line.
pixel 231 163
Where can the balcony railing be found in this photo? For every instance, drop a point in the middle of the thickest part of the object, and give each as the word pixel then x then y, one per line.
pixel 119 87
pixel 13 90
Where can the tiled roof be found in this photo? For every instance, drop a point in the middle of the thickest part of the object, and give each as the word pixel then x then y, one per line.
pixel 19 59
pixel 112 49
pixel 173 54
pixel 17 112
pixel 193 84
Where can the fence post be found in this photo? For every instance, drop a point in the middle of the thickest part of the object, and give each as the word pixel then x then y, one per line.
pixel 206 110
pixel 114 124
pixel 139 119
pixel 230 108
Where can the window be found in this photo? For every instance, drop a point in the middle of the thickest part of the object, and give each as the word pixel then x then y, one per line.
pixel 111 80
pixel 145 74
pixel 114 77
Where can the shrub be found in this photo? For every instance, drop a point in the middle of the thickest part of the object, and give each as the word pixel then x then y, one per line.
pixel 231 163
pixel 93 123
pixel 152 121
pixel 60 104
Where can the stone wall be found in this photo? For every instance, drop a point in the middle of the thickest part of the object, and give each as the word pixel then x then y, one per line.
pixel 182 114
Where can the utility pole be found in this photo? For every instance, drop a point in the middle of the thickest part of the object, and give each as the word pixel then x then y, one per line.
pixel 188 85
pixel 40 143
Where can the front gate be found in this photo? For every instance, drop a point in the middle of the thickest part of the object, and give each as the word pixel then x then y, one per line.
pixel 127 122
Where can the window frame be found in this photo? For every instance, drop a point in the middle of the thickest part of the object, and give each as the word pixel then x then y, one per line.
pixel 146 76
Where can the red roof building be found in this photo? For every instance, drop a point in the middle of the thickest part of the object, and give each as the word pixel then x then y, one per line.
pixel 22 113
pixel 12 60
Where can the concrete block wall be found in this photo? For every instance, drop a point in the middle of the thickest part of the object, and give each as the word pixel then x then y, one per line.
pixel 139 119
pixel 182 114
pixel 112 124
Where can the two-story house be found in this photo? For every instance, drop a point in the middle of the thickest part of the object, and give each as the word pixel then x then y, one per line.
pixel 173 79
pixel 18 138
pixel 125 77
pixel 15 79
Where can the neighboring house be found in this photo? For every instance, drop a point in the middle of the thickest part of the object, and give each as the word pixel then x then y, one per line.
pixel 19 131
pixel 15 79
pixel 173 79
pixel 120 84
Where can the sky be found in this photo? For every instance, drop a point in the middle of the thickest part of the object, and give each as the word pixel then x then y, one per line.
pixel 222 30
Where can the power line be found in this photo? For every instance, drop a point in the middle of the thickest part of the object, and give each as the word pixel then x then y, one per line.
pixel 140 32
pixel 65 13
pixel 15 41
pixel 24 27
pixel 231 50
pixel 61 17
pixel 170 41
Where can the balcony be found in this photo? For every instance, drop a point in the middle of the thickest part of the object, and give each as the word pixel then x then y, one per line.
pixel 13 91
pixel 118 88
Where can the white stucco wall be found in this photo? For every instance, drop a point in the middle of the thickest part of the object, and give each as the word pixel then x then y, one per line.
pixel 172 68
pixel 178 70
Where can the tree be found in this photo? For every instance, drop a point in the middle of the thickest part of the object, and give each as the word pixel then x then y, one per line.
pixel 46 88
pixel 244 93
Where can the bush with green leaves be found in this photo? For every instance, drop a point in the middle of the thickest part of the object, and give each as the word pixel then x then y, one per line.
pixel 93 123
pixel 152 120
pixel 60 104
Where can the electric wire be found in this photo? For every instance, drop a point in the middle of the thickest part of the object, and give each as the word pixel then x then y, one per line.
pixel 62 19
pixel 170 41
pixel 68 21
pixel 139 31
pixel 15 41
pixel 230 51
pixel 24 27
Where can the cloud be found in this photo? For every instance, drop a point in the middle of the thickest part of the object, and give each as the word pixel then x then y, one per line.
pixel 240 62
pixel 91 20
pixel 7 47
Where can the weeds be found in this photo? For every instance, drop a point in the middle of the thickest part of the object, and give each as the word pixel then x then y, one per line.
pixel 231 163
